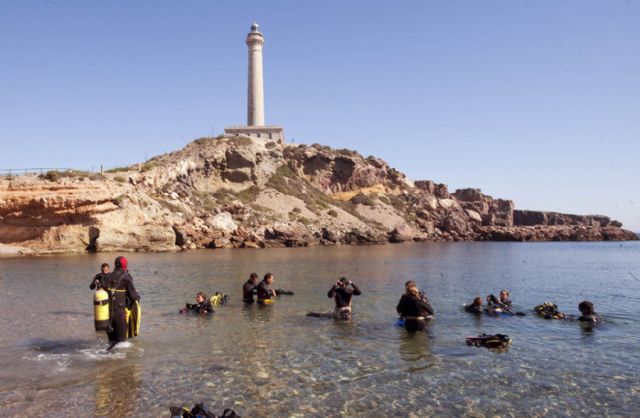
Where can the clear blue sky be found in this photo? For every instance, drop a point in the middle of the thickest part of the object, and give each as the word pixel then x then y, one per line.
pixel 536 101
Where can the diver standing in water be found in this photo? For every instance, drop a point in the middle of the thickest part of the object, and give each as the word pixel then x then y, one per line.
pixel 265 293
pixel 122 294
pixel 249 288
pixel 100 278
pixel 342 295
pixel 414 308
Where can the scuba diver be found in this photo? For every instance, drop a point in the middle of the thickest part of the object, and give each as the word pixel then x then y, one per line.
pixel 588 313
pixel 123 297
pixel 265 293
pixel 250 288
pixel 415 309
pixel 493 342
pixel 342 295
pixel 407 294
pixel 202 306
pixel 99 279
pixel 504 299
pixel 474 307
pixel 494 306
pixel 549 310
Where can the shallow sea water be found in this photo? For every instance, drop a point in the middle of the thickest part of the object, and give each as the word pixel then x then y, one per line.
pixel 273 361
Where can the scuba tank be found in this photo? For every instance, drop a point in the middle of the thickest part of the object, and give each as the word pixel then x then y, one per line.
pixel 101 310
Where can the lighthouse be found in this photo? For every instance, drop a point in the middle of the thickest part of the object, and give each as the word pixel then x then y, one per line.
pixel 255 96
pixel 256 127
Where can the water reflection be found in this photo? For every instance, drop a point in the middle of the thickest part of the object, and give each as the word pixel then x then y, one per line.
pixel 415 349
pixel 117 389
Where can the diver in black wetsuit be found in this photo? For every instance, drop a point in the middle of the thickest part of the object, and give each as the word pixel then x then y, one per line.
pixel 265 293
pixel 249 288
pixel 202 306
pixel 589 315
pixel 421 296
pixel 504 299
pixel 495 307
pixel 414 309
pixel 475 307
pixel 119 285
pixel 100 278
pixel 342 295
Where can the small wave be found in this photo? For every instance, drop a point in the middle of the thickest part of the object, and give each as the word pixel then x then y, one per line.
pixel 101 354
pixel 62 361
pixel 122 345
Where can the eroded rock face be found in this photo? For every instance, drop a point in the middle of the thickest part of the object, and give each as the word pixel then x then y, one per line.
pixel 248 193
pixel 403 233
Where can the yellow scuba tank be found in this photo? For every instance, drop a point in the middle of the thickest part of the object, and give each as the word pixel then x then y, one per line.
pixel 101 310
pixel 266 301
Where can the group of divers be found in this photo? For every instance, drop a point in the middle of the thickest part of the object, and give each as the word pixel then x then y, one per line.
pixel 117 305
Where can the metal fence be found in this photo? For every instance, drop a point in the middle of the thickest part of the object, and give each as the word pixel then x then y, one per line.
pixel 8 172
pixel 12 172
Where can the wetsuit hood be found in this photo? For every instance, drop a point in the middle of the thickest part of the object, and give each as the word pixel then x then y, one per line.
pixel 121 263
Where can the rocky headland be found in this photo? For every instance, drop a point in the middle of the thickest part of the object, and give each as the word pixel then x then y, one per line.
pixel 241 192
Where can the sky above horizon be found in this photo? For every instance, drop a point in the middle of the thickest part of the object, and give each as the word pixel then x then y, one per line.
pixel 534 101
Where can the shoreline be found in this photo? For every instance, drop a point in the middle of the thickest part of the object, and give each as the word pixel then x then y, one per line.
pixel 9 251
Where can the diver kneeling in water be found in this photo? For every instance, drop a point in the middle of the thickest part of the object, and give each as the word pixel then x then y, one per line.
pixel 495 307
pixel 414 309
pixel 474 307
pixel 202 305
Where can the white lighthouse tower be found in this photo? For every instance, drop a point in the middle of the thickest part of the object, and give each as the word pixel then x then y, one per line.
pixel 255 98
pixel 256 127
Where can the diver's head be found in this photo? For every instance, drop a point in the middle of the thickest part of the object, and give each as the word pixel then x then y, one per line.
pixel 413 291
pixel 477 301
pixel 504 294
pixel 268 278
pixel 253 278
pixel 104 268
pixel 586 307
pixel 201 297
pixel 492 299
pixel 121 263
pixel 343 282
pixel 408 284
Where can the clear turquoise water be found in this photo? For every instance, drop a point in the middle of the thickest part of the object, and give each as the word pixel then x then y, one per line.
pixel 275 362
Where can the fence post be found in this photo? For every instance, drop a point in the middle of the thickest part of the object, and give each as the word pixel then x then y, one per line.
pixel 100 168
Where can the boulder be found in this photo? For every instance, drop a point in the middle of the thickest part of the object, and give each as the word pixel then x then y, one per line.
pixel 239 158
pixel 454 223
pixel 287 235
pixel 425 185
pixel 237 176
pixel 441 191
pixel 329 235
pixel 222 221
pixel 529 218
pixel 402 233
pixel 473 215
pixel 468 195
pixel 356 236
pixel 447 203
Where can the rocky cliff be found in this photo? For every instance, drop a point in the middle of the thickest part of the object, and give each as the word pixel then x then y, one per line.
pixel 246 193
